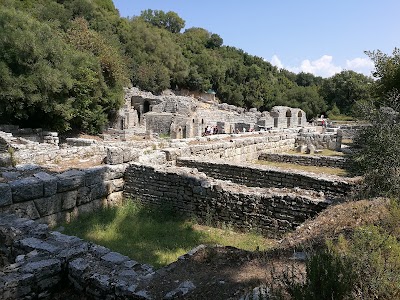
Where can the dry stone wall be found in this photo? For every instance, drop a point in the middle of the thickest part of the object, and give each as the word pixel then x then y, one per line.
pixel 271 211
pixel 305 160
pixel 334 187
pixel 37 263
pixel 53 198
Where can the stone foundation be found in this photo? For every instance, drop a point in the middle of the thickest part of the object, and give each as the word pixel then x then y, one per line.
pixel 305 160
pixel 336 188
pixel 271 211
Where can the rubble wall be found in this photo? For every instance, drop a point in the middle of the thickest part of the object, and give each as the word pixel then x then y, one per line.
pixel 271 211
pixel 53 198
pixel 305 160
pixel 253 175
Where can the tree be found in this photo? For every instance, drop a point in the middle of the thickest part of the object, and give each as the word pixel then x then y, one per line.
pixel 169 21
pixel 387 71
pixel 345 89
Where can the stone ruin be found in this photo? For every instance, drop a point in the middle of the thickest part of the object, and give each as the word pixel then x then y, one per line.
pixel 187 117
pixel 198 176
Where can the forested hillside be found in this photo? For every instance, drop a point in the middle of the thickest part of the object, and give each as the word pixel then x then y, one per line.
pixel 63 64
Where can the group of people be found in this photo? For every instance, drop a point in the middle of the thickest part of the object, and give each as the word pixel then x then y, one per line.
pixel 211 130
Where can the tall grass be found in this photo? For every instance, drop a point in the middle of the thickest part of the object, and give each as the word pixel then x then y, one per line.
pixel 152 235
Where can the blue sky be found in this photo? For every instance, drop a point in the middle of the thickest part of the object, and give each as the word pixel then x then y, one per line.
pixel 322 37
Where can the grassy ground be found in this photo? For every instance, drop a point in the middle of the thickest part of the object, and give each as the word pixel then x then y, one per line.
pixel 317 170
pixel 156 237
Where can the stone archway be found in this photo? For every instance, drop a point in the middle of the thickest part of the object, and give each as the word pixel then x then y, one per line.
pixel 299 117
pixel 288 118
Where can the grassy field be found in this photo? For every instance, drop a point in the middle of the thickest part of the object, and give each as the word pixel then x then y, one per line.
pixel 156 237
pixel 313 169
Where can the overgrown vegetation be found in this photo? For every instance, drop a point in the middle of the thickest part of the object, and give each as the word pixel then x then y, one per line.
pixel 153 235
pixel 63 65
pixel 361 264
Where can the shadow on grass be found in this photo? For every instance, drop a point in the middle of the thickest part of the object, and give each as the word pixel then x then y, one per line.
pixel 154 236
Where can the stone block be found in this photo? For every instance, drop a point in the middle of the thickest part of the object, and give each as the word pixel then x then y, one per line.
pixel 98 191
pixel 32 243
pixel 5 194
pixel 83 195
pixel 69 199
pixel 94 175
pixel 48 206
pixel 49 183
pixel 115 156
pixel 70 180
pixel 26 189
pixel 23 210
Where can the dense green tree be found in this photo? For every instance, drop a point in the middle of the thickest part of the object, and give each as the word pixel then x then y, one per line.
pixel 169 21
pixel 345 89
pixel 387 71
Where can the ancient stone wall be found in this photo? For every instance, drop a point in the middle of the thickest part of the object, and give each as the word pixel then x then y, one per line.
pixel 335 188
pixel 332 141
pixel 236 149
pixel 271 211
pixel 38 263
pixel 305 160
pixel 53 198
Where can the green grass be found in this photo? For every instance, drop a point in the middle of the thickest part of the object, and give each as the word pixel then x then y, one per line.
pixel 154 236
pixel 312 169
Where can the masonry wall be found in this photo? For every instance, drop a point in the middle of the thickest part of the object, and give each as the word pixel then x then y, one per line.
pixel 237 148
pixel 305 160
pixel 53 198
pixel 38 263
pixel 273 212
pixel 333 187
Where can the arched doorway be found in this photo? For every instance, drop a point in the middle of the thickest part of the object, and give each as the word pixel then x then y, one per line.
pixel 288 117
pixel 299 117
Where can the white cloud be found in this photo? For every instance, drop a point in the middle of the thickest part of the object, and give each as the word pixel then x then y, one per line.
pixel 325 67
pixel 361 65
pixel 275 61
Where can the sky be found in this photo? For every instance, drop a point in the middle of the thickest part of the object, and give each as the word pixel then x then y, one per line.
pixel 322 37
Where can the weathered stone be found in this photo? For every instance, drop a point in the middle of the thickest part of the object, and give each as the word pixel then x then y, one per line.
pixel 37 244
pixel 5 194
pixel 94 175
pixel 98 191
pixel 115 155
pixel 43 268
pixel 69 199
pixel 26 189
pixel 49 183
pixel 23 210
pixel 184 288
pixel 114 258
pixel 48 206
pixel 70 180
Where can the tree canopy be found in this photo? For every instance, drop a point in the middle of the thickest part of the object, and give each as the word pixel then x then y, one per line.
pixel 63 65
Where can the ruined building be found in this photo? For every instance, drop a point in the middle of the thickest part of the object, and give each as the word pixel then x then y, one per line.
pixel 186 116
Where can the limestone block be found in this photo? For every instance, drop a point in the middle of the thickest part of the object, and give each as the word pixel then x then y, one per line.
pixel 48 206
pixel 115 199
pixel 26 189
pixel 49 183
pixel 70 180
pixel 69 199
pixel 130 154
pixel 115 156
pixel 98 191
pixel 5 194
pixel 115 185
pixel 23 210
pixel 83 195
pixel 94 175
